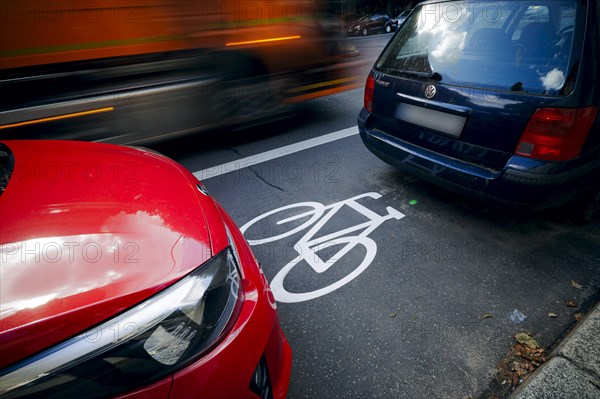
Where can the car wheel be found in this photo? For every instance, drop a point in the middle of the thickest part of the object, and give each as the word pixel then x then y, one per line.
pixel 365 32
pixel 587 209
pixel 388 29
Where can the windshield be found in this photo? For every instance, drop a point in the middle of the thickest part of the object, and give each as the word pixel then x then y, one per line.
pixel 519 46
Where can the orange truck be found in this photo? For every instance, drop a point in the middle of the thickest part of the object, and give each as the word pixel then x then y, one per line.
pixel 144 70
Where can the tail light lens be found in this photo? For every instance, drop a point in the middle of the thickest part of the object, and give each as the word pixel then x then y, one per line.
pixel 556 134
pixel 369 88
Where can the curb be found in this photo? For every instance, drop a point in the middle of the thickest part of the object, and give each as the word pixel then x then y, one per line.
pixel 573 370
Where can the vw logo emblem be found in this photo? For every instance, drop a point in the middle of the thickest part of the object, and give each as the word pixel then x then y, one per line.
pixel 430 91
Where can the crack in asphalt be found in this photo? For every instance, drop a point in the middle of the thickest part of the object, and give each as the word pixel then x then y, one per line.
pixel 234 150
pixel 263 179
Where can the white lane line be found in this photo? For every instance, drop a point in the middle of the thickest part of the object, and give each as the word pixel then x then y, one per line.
pixel 272 154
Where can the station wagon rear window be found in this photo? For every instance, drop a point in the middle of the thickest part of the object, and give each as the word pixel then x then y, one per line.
pixel 531 47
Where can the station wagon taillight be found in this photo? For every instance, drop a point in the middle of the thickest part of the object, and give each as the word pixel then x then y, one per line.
pixel 369 88
pixel 556 134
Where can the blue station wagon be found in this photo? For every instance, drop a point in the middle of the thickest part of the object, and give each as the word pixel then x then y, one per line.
pixel 494 99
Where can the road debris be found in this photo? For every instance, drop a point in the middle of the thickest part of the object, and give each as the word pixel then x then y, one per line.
pixel 576 285
pixel 517 317
pixel 571 304
pixel 527 340
pixel 521 362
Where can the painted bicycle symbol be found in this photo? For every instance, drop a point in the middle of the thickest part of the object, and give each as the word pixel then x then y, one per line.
pixel 315 215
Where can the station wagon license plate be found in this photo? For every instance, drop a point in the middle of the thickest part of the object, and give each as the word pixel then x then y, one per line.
pixel 431 119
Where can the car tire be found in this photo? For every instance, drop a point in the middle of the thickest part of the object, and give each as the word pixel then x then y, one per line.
pixel 388 28
pixel 365 32
pixel 587 208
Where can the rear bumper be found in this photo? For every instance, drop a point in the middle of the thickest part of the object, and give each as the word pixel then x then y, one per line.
pixel 515 186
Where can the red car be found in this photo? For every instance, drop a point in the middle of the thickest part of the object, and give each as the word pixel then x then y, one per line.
pixel 121 277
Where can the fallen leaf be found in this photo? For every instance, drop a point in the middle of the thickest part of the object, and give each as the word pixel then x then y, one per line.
pixel 578 316
pixel 576 285
pixel 571 304
pixel 527 340
pixel 518 365
pixel 531 354
pixel 393 314
pixel 487 316
pixel 553 315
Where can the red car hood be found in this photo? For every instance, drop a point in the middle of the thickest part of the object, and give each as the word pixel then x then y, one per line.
pixel 88 230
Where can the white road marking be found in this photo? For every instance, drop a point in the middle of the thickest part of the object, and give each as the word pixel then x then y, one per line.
pixel 308 247
pixel 273 154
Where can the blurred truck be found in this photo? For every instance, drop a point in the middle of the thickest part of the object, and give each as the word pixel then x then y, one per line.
pixel 144 70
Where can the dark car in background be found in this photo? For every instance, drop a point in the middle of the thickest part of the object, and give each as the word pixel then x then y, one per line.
pixel 368 24
pixel 394 23
pixel 501 105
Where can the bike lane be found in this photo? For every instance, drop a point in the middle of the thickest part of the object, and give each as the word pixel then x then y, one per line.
pixel 427 313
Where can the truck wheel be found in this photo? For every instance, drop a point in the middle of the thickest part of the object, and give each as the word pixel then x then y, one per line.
pixel 235 65
pixel 248 94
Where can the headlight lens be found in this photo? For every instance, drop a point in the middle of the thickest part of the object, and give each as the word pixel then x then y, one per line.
pixel 140 346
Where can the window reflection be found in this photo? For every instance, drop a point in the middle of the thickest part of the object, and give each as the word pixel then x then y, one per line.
pixel 510 45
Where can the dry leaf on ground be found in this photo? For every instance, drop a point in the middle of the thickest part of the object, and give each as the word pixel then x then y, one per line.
pixel 527 340
pixel 518 365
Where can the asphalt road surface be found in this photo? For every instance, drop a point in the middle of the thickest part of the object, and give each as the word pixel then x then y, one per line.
pixel 388 287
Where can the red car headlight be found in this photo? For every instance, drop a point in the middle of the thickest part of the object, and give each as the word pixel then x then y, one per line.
pixel 144 344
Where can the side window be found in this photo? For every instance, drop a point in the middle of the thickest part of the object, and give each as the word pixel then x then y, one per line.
pixel 565 32
pixel 533 14
pixel 567 18
pixel 543 39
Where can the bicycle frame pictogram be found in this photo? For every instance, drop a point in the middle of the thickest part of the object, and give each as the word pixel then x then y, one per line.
pixel 308 247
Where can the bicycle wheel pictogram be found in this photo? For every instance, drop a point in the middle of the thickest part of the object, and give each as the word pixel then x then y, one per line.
pixel 283 295
pixel 311 211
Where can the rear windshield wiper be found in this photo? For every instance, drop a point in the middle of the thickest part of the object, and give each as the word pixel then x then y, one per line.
pixel 416 74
